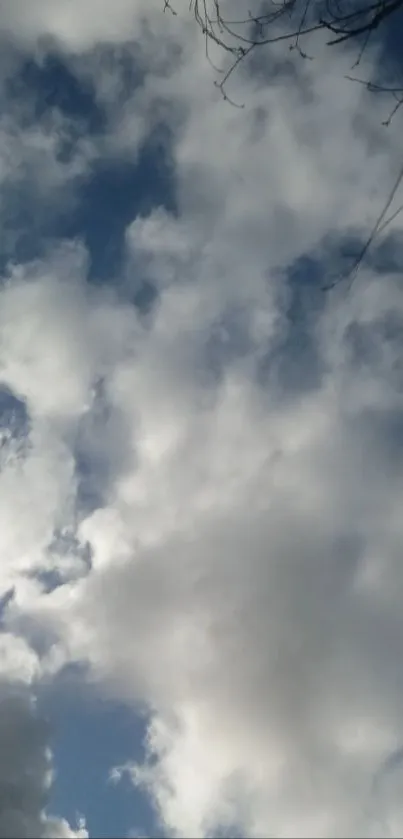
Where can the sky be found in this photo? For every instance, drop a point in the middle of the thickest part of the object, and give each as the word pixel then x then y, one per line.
pixel 201 468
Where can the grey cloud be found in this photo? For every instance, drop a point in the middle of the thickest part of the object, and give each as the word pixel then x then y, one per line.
pixel 26 769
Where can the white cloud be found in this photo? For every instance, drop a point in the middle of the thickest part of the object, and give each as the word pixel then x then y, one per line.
pixel 44 18
pixel 245 583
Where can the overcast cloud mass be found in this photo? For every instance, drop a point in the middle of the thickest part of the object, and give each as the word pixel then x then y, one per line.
pixel 201 457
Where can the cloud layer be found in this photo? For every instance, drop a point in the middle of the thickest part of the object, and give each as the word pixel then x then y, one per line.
pixel 202 503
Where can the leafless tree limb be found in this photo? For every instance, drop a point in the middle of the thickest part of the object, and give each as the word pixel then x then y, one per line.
pixel 289 21
pixel 378 228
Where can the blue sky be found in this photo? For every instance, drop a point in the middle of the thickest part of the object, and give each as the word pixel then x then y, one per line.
pixel 89 736
pixel 111 194
pixel 200 448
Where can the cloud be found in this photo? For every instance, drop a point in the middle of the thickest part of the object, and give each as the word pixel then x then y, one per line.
pixel 243 529
pixel 263 625
pixel 26 772
pixel 58 341
pixel 44 19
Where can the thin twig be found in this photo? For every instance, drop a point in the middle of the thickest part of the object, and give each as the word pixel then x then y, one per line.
pixel 377 228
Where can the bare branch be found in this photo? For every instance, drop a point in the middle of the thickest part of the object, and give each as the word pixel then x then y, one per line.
pixel 378 227
pixel 290 21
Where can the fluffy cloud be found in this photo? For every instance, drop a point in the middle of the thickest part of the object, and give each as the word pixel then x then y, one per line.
pixel 244 534
pixel 45 19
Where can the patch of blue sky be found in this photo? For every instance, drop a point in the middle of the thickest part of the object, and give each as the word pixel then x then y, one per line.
pixel 14 416
pixel 90 736
pixel 46 82
pixel 295 364
pixel 390 40
pixel 99 205
pixel 40 86
pixel 111 198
